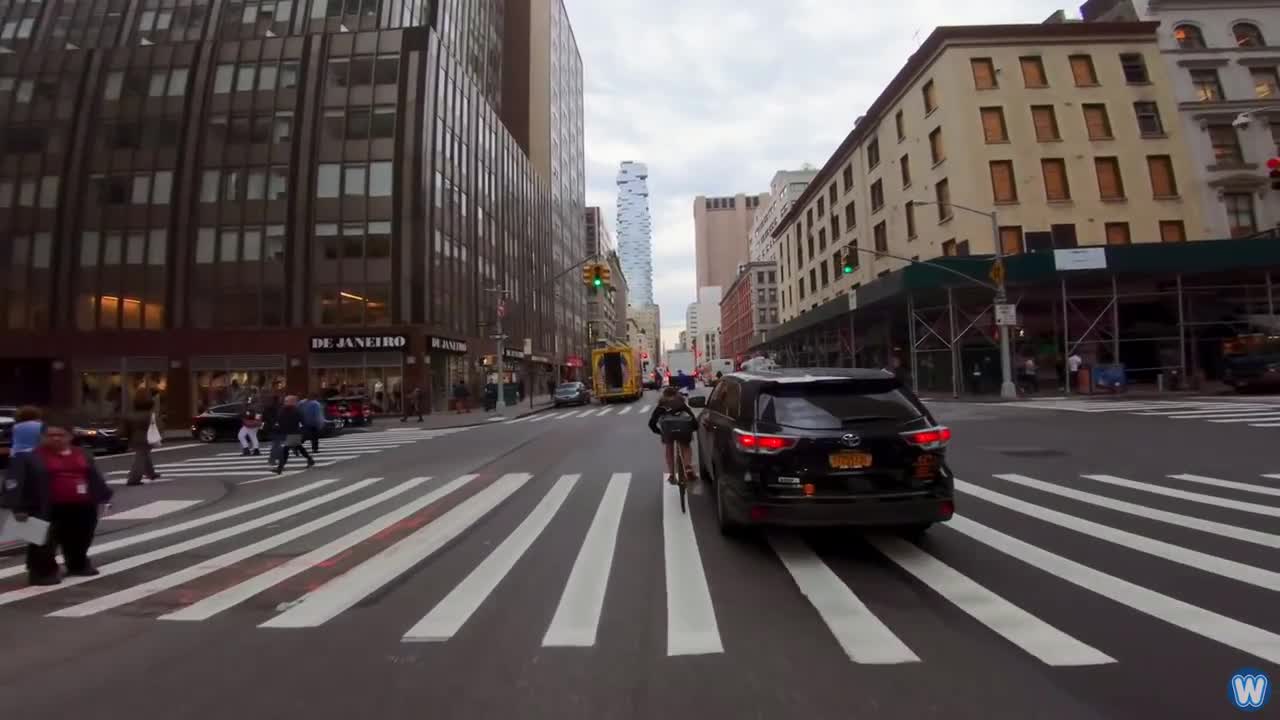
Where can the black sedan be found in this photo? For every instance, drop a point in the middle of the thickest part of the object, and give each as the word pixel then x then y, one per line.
pixel 222 422
pixel 100 438
pixel 572 393
pixel 818 447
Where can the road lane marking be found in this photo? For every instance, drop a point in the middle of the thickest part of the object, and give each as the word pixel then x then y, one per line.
pixel 450 614
pixel 1254 508
pixel 626 410
pixel 585 413
pixel 1249 418
pixel 268 478
pixel 236 463
pixel 232 596
pixel 605 411
pixel 1245 487
pixel 1216 528
pixel 1042 640
pixel 170 550
pixel 1230 569
pixel 863 636
pixel 1206 623
pixel 646 409
pixel 226 560
pixel 577 618
pixel 1202 410
pixel 343 592
pixel 153 510
pixel 691 618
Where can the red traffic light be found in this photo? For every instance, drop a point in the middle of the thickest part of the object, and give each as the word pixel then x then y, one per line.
pixel 1273 163
pixel 644 356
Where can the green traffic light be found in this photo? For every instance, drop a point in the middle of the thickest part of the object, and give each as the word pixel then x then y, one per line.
pixel 848 269
pixel 597 282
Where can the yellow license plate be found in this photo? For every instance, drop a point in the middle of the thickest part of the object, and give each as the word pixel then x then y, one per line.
pixel 850 460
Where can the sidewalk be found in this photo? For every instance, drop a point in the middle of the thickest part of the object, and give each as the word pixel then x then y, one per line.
pixel 1141 392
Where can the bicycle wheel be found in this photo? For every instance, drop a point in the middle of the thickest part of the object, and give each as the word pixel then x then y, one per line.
pixel 679 470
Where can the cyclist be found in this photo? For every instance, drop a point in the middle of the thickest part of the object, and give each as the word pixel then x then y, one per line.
pixel 673 419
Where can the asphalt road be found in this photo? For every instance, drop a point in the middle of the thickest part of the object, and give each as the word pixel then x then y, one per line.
pixel 540 569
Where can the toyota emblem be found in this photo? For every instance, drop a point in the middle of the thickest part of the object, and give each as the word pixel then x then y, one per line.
pixel 851 440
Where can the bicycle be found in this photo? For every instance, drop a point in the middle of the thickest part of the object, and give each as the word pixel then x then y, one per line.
pixel 678 431
pixel 678 469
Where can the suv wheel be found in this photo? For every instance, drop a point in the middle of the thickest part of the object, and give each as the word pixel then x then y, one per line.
pixel 207 434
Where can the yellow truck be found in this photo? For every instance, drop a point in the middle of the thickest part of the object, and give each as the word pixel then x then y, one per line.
pixel 616 374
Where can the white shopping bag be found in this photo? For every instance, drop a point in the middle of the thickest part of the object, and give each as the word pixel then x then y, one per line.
pixel 153 433
pixel 32 530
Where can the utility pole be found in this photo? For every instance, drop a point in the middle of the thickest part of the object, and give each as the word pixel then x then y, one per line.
pixel 500 337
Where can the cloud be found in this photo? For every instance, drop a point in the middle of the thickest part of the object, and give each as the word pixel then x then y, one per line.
pixel 717 95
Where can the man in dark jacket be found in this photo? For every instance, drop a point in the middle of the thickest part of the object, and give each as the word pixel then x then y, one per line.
pixel 60 484
pixel 287 432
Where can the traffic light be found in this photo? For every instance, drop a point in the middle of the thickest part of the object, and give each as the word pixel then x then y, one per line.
pixel 596 279
pixel 605 273
pixel 1274 166
pixel 588 272
pixel 846 260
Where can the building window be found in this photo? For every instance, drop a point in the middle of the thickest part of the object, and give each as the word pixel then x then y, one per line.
pixel 873 153
pixel 848 178
pixel 1097 122
pixel 1046 122
pixel 364 71
pixel 120 280
pixel 813 280
pixel 1266 84
pixel 1247 35
pixel 1207 86
pixel 139 83
pixel 835 226
pixel 1163 183
pixel 904 165
pixel 877 196
pixel 822 209
pixel 993 127
pixel 1149 123
pixel 900 124
pixel 1135 68
pixel 909 211
pixel 238 185
pixel 1172 231
pixel 942 194
pixel 1226 145
pixel 354 180
pixel 149 188
pixel 822 240
pixel 1010 239
pixel 1188 37
pixel 936 151
pixel 850 216
pixel 17 29
pixel 881 238
pixel 247 77
pixel 825 273
pixel 949 248
pixel 1003 187
pixel 984 74
pixel 930 97
pixel 1117 233
pixel 1110 185
pixel 1056 186
pixel 1240 215
pixel 810 240
pixel 259 128
pixel 361 123
pixel 1033 72
pixel 832 195
pixel 1082 70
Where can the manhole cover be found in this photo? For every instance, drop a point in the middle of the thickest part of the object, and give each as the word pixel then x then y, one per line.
pixel 1034 452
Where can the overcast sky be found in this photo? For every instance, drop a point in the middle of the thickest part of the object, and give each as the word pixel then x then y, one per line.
pixel 717 95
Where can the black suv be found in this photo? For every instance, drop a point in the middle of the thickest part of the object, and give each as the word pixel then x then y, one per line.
pixel 823 447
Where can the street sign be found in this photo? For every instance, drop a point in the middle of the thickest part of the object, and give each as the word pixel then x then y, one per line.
pixel 997 271
pixel 1006 314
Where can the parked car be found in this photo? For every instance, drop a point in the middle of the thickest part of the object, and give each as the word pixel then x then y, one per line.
pixel 101 437
pixel 572 393
pixel 350 409
pixel 222 422
pixel 822 447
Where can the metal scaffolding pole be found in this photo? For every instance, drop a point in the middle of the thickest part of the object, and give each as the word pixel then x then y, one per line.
pixel 1182 333
pixel 955 361
pixel 1066 334
pixel 911 338
pixel 1115 321
pixel 853 342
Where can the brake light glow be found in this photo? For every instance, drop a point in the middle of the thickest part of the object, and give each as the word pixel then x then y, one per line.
pixel 933 438
pixel 753 443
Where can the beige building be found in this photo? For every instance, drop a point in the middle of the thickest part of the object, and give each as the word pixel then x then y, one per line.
pixel 1067 132
pixel 644 332
pixel 607 306
pixel 722 235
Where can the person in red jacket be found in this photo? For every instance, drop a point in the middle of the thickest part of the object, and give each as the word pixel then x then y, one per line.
pixel 57 482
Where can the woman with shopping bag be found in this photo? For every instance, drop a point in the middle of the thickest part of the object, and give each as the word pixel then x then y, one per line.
pixel 142 430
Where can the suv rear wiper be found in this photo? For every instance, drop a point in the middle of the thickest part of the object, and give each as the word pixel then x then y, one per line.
pixel 863 418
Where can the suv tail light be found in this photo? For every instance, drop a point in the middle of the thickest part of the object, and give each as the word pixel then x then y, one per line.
pixel 934 438
pixel 753 443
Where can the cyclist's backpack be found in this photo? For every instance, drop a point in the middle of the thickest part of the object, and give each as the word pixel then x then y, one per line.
pixel 677 427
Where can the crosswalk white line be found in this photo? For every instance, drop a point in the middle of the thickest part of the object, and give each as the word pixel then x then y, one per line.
pixel 272 476
pixel 237 463
pixel 177 549
pixel 450 614
pixel 585 413
pixel 1244 487
pixel 232 596
pixel 1247 419
pixel 645 409
pixel 1042 640
pixel 226 560
pixel 159 481
pixel 577 617
pixel 172 475
pixel 1145 511
pixel 1242 506
pixel 1206 623
pixel 544 416
pixel 863 636
pixel 608 409
pixel 1231 569
pixel 626 410
pixel 344 591
pixel 130 541
pixel 1264 425
pixel 691 618
pixel 152 510
pixel 569 414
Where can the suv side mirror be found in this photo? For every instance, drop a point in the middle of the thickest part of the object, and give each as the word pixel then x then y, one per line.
pixel 698 401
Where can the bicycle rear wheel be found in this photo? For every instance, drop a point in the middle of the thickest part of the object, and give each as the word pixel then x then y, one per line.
pixel 680 481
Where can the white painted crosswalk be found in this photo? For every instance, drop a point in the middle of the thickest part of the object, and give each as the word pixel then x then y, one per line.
pixel 577 413
pixel 1260 414
pixel 357 539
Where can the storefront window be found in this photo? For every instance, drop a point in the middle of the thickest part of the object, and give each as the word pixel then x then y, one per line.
pixel 218 387
pixel 383 386
pixel 105 394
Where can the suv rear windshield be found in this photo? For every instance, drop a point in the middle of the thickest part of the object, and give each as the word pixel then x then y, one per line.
pixel 832 405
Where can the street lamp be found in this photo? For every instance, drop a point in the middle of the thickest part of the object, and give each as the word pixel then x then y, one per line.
pixel 1007 389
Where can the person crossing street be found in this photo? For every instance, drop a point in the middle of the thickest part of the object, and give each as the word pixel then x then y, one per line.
pixel 287 434
pixel 312 420
pixel 248 436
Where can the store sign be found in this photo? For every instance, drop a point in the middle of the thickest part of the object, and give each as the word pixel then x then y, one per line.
pixel 540 359
pixel 512 354
pixel 436 342
pixel 350 343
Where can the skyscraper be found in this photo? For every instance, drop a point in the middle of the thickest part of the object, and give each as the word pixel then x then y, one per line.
pixel 722 236
pixel 635 232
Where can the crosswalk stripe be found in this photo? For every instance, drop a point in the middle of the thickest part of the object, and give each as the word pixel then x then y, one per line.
pixel 171 475
pixel 450 614
pixel 1244 418
pixel 626 410
pixel 232 596
pixel 691 618
pixel 1042 640
pixel 1202 410
pixel 170 550
pixel 1264 425
pixel 269 478
pixel 153 510
pixel 240 463
pixel 226 560
pixel 341 593
pixel 569 414
pixel 577 617
pixel 1168 551
pixel 605 411
pixel 1245 487
pixel 1206 623
pixel 585 413
pixel 1253 508
pixel 1216 528
pixel 863 636
pixel 646 409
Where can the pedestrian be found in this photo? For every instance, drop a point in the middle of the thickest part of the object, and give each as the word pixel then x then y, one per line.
pixel 414 397
pixel 460 395
pixel 137 430
pixel 312 420
pixel 59 483
pixel 270 415
pixel 27 427
pixel 287 432
pixel 250 422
